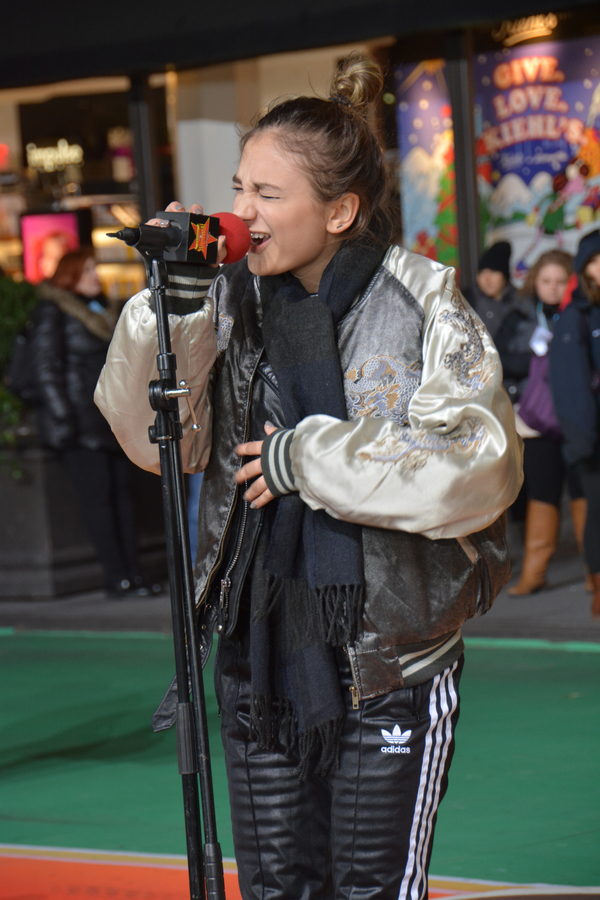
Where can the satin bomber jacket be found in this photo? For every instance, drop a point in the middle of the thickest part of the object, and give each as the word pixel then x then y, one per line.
pixel 427 462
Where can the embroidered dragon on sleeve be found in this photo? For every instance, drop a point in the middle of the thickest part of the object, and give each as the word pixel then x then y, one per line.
pixel 470 365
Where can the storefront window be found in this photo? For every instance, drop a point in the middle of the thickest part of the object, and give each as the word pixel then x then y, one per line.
pixel 537 120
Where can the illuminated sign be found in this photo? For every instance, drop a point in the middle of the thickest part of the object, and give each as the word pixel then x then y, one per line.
pixel 54 159
pixel 511 33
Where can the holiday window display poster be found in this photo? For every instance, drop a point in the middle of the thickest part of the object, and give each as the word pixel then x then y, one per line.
pixel 426 147
pixel 537 122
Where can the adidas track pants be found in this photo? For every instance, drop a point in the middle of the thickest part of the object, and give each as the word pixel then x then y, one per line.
pixel 363 833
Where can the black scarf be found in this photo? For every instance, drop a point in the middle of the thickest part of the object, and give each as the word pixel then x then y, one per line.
pixel 308 584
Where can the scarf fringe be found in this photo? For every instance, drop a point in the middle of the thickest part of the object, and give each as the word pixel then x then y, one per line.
pixel 319 748
pixel 336 608
pixel 273 722
pixel 340 608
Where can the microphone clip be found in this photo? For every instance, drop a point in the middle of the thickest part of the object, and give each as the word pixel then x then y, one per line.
pixel 188 238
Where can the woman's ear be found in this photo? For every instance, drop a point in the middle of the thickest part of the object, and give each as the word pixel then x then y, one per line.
pixel 343 213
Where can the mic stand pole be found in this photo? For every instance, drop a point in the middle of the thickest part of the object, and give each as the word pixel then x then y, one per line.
pixel 193 752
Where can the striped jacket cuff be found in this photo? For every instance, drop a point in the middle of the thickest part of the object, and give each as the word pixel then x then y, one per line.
pixel 276 462
pixel 188 286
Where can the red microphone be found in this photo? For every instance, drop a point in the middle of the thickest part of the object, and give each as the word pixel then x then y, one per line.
pixel 237 234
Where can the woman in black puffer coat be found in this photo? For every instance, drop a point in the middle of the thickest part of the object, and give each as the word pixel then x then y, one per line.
pixel 72 329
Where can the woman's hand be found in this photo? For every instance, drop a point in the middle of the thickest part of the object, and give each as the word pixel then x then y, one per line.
pixel 258 494
pixel 194 208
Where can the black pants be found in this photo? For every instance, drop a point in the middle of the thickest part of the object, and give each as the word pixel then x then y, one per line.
pixel 589 472
pixel 102 481
pixel 546 472
pixel 364 831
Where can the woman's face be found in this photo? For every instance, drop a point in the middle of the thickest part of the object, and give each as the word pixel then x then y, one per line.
pixel 550 283
pixel 491 282
pixel 592 270
pixel 89 283
pixel 291 230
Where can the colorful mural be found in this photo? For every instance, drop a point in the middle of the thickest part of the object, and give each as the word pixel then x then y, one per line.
pixel 537 122
pixel 427 180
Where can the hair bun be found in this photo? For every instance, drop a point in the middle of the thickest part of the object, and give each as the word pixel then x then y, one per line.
pixel 357 82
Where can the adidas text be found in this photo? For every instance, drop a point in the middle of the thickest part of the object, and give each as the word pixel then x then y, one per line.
pixel 396 740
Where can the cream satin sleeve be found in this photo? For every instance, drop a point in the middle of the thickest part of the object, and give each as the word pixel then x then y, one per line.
pixel 122 390
pixel 457 465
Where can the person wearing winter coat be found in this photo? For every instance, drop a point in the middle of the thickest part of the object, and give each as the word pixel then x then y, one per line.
pixel 575 381
pixel 71 331
pixel 526 334
pixel 493 296
pixel 358 453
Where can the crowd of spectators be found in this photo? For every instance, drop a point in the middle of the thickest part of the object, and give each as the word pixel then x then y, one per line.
pixel 547 335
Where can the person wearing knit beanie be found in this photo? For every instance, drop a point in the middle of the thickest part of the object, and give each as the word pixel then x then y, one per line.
pixel 497 259
pixel 493 296
pixel 589 246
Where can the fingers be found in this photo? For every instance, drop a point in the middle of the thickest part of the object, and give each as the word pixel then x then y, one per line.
pixel 175 206
pixel 249 470
pixel 222 251
pixel 258 494
pixel 254 448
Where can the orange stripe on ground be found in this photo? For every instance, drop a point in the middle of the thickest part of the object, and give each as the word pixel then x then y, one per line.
pixel 56 873
pixel 53 879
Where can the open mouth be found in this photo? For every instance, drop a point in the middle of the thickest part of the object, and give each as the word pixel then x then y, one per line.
pixel 259 238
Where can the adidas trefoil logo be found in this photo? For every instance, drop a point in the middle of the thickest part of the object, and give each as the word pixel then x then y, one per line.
pixel 396 739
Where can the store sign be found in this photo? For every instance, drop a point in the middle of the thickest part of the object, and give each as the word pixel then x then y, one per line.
pixel 54 159
pixel 426 144
pixel 514 32
pixel 537 118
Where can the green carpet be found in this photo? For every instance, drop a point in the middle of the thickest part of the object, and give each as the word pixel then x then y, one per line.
pixel 80 767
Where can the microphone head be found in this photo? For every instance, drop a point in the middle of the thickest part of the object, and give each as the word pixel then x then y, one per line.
pixel 237 234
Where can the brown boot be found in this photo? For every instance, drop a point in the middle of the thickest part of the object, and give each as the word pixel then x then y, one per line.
pixel 542 521
pixel 595 579
pixel 579 515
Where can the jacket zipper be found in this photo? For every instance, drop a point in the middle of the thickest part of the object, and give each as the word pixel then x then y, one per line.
pixel 226 581
pixel 219 558
pixel 353 688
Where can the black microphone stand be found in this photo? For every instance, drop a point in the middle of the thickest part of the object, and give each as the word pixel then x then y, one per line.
pixel 205 864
